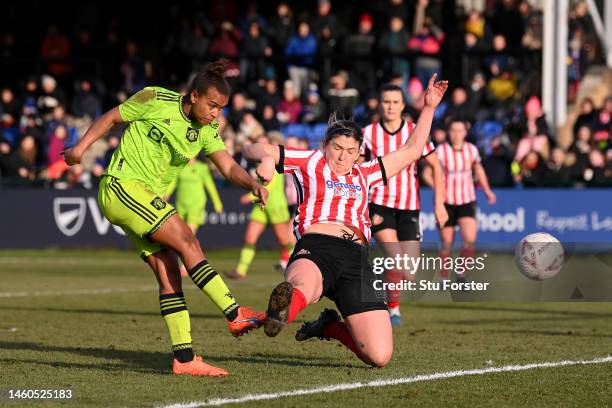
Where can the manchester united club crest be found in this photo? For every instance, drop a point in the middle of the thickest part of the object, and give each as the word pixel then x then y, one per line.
pixel 192 134
pixel 158 203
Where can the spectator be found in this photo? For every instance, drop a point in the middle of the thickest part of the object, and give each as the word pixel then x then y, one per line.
pixel 29 97
pixel 342 98
pixel 314 110
pixel 361 46
pixel 50 97
pixel 269 120
pixel 281 27
pixel 327 49
pixel 56 166
pixel 368 112
pixel 535 132
pixel 20 163
pixel 85 54
pixel 602 125
pixel 414 98
pixel 497 163
pixel 581 148
pixel 227 42
pixel 255 47
pixel 428 41
pixel 587 114
pixel 303 47
pixel 595 174
pixel 460 107
pixel 249 128
pixel 475 24
pixel 9 104
pixel 326 19
pixel 270 96
pixel 394 44
pixel 559 172
pixel 134 69
pixel 196 43
pixel 32 126
pixel 532 170
pixel 577 64
pixel 86 102
pixel 290 107
pixel 237 110
pixel 499 60
pixel 55 50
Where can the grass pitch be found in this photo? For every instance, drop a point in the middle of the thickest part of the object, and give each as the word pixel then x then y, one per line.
pixel 90 321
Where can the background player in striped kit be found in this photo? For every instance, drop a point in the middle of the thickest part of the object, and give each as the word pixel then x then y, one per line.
pixel 395 207
pixel 459 160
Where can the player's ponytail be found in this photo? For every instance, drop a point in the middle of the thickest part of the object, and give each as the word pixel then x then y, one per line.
pixel 338 126
pixel 212 76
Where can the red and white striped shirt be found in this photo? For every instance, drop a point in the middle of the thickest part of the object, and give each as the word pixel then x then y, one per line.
pixel 402 190
pixel 327 198
pixel 457 166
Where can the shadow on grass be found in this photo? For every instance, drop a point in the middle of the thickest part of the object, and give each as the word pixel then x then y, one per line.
pixel 155 362
pixel 107 312
pixel 555 333
pixel 482 307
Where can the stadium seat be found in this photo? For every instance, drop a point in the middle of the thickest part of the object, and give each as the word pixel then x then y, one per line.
pixel 297 130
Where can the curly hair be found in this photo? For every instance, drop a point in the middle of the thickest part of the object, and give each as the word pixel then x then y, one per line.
pixel 212 76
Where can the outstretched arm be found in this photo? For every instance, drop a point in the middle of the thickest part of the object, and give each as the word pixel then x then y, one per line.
pixel 268 155
pixel 484 182
pixel 438 188
pixel 237 175
pixel 412 150
pixel 96 131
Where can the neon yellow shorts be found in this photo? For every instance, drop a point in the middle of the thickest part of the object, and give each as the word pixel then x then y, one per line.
pixel 191 215
pixel 274 215
pixel 131 205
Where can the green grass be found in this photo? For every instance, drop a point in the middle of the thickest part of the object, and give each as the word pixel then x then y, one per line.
pixel 112 348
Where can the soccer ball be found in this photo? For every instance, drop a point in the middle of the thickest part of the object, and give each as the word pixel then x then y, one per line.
pixel 539 256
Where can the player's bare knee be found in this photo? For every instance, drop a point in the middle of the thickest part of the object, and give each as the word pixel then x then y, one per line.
pixel 378 358
pixel 188 243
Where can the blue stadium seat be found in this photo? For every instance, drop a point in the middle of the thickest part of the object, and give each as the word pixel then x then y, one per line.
pixel 297 130
pixel 317 133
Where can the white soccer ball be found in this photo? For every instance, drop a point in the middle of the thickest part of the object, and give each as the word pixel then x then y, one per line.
pixel 539 256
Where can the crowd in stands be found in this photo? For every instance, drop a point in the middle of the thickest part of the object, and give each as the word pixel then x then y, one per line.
pixel 290 70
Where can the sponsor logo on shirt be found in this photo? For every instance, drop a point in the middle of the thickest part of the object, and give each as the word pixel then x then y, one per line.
pixel 344 189
pixel 155 134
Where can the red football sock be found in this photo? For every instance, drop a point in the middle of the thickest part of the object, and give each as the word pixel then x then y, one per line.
pixel 298 302
pixel 393 296
pixel 392 304
pixel 467 252
pixel 284 254
pixel 338 331
pixel 444 255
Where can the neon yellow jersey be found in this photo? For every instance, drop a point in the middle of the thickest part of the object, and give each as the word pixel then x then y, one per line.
pixel 160 139
pixel 276 192
pixel 190 185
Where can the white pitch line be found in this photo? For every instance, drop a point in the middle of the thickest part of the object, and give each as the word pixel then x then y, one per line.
pixel 384 383
pixel 98 291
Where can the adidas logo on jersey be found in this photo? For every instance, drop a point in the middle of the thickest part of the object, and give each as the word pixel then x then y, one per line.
pixel 302 252
pixel 167 121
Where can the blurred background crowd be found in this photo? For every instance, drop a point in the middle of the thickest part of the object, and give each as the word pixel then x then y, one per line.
pixel 291 64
